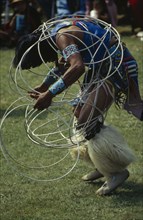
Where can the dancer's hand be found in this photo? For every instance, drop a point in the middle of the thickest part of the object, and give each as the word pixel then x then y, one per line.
pixel 37 90
pixel 44 101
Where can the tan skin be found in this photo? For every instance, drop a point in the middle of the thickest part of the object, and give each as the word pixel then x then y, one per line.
pixel 76 65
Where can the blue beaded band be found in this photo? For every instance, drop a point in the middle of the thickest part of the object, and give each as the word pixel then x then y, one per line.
pixel 57 87
pixel 70 50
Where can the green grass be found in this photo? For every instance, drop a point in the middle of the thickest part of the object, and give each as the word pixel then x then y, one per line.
pixel 68 198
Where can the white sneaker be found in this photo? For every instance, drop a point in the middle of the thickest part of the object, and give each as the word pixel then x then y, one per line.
pixel 140 34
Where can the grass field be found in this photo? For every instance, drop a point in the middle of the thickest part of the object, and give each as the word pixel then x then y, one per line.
pixel 68 198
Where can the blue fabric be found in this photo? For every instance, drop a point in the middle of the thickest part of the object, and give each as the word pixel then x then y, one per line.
pixel 130 66
pixel 89 40
pixel 20 23
pixel 127 69
pixel 64 9
pixel 58 27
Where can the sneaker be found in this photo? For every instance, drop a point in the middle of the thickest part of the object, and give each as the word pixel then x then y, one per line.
pixel 94 175
pixel 140 34
pixel 113 182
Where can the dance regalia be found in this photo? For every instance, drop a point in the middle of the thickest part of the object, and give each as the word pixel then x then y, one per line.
pixel 97 41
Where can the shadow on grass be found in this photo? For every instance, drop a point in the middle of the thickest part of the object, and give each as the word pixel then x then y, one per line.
pixel 133 188
pixel 130 193
pixel 15 113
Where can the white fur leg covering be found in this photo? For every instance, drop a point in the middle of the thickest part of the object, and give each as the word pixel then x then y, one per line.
pixel 109 151
pixel 82 151
pixel 80 148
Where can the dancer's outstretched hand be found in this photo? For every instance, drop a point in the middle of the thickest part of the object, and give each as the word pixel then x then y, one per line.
pixel 43 101
pixel 37 90
pixel 34 94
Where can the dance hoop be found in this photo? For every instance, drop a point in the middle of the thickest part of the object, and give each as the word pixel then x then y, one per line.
pixel 49 133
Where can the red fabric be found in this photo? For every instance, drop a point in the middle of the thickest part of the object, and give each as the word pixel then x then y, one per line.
pixel 133 2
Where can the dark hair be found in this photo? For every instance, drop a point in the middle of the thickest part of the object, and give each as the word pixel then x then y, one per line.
pixel 32 58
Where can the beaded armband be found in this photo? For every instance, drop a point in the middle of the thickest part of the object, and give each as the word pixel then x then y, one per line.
pixel 70 50
pixel 57 87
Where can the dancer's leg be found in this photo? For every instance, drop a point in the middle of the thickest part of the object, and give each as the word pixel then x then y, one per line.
pixel 98 102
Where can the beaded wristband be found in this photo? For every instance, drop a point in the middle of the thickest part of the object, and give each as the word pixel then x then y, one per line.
pixel 57 87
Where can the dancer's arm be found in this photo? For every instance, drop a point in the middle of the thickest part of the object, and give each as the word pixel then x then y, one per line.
pixel 69 49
